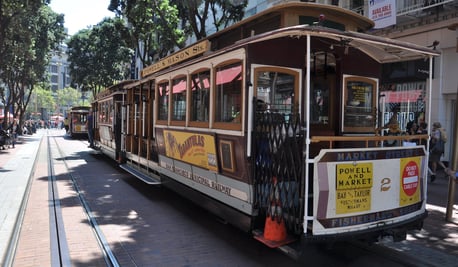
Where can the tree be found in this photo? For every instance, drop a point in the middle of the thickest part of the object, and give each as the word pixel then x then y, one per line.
pixel 9 11
pixel 29 31
pixel 99 56
pixel 222 14
pixel 153 27
pixel 158 27
pixel 42 100
pixel 68 97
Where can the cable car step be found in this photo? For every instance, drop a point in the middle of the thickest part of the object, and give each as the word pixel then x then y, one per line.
pixel 151 179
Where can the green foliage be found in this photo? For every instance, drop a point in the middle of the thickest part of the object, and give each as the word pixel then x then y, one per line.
pixel 29 30
pixel 68 97
pixel 221 14
pixel 98 56
pixel 153 25
pixel 161 26
pixel 43 99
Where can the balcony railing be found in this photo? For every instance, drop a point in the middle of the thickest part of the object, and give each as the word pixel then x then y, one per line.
pixel 410 6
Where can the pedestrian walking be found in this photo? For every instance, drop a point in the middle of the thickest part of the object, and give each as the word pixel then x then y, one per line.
pixel 436 148
pixel 66 125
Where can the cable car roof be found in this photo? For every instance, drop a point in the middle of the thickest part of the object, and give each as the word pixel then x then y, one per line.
pixel 381 49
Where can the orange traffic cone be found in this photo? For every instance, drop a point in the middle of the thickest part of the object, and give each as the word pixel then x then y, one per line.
pixel 274 234
pixel 275 230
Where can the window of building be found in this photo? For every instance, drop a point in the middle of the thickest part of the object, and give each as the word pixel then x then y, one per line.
pixel 200 96
pixel 179 98
pixel 53 68
pixel 228 93
pixel 163 101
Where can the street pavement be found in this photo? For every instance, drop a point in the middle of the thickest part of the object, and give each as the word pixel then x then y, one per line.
pixel 436 243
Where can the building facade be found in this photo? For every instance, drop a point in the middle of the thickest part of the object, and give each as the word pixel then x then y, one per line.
pixel 431 23
pixel 423 22
pixel 59 74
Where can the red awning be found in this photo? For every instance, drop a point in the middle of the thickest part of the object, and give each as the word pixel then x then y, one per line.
pixel 205 81
pixel 229 75
pixel 179 87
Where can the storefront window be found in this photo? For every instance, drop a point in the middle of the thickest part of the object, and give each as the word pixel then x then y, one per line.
pixel 407 98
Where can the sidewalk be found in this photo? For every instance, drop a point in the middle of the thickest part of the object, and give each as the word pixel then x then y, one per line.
pixel 16 165
pixel 437 242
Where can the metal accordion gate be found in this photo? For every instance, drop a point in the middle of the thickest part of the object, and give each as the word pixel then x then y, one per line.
pixel 278 169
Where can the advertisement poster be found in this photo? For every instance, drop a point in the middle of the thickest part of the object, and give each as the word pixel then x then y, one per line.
pixel 353 187
pixel 194 148
pixel 357 187
pixel 382 12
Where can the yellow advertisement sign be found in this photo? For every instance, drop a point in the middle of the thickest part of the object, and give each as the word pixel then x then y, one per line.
pixel 194 148
pixel 409 192
pixel 354 200
pixel 354 176
pixel 353 187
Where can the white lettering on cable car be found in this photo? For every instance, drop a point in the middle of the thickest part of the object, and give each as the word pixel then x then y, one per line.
pixel 230 191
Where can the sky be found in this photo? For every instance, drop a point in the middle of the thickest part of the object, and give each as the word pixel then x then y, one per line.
pixel 79 14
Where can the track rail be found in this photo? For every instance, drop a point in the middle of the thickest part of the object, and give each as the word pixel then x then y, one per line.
pixel 110 259
pixel 60 254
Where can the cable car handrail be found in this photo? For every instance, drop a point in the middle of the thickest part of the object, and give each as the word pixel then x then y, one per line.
pixel 375 138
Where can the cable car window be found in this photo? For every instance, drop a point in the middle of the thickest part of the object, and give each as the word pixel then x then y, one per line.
pixel 359 110
pixel 276 90
pixel 163 101
pixel 79 118
pixel 200 96
pixel 105 112
pixel 323 83
pixel 228 93
pixel 179 99
pixel 102 109
pixel 110 112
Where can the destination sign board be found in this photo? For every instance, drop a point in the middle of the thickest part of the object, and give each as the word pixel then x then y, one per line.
pixel 182 55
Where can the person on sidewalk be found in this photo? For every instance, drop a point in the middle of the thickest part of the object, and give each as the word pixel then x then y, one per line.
pixel 66 125
pixel 14 127
pixel 438 136
pixel 90 128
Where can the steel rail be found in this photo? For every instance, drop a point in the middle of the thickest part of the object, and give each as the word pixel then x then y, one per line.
pixel 109 257
pixel 60 254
